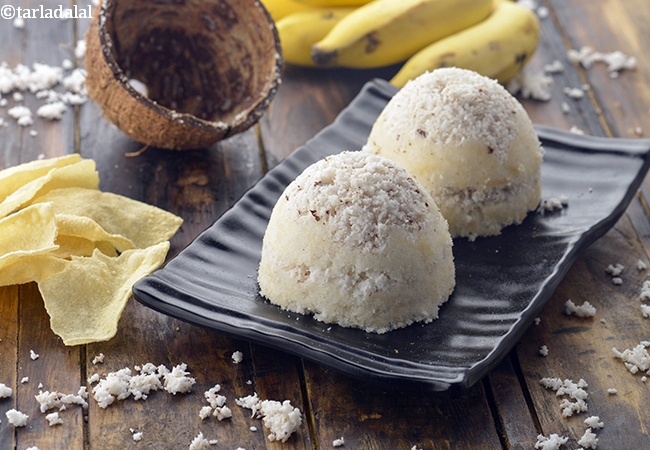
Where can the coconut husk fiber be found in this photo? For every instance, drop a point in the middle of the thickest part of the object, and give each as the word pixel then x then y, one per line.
pixel 211 68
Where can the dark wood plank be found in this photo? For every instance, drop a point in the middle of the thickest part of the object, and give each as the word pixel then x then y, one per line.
pixel 8 358
pixel 612 26
pixel 369 417
pixel 582 347
pixel 308 100
pixel 57 368
pixel 511 411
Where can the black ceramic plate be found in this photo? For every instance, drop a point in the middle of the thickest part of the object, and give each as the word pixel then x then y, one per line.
pixel 502 282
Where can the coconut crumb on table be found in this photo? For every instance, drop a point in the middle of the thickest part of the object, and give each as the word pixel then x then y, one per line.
pixel 53 419
pixel 50 400
pixel 201 443
pixel 615 269
pixel 122 384
pixel 5 391
pixel 584 310
pixel 16 418
pixel 645 311
pixel 237 357
pixel 594 422
pixel 534 86
pixel 645 291
pixel 281 418
pixel 612 391
pixel 24 380
pixel 636 359
pixel 543 350
pixel 98 359
pixel 33 355
pixel 576 391
pixel 588 440
pixel 338 442
pixel 575 130
pixel 616 61
pixel 552 442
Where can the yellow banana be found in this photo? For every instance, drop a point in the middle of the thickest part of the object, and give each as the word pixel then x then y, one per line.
pixel 385 32
pixel 300 30
pixel 498 47
pixel 327 3
pixel 282 8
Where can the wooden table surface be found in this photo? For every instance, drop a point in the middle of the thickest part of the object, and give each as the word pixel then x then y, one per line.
pixel 507 409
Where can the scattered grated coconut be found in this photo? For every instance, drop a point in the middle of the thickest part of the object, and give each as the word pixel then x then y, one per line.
pixel 641 265
pixel 16 418
pixel 574 93
pixel 281 419
pixel 584 310
pixel 199 442
pixel 137 436
pixel 575 130
pixel 645 291
pixel 635 359
pixel 98 359
pixel 338 442
pixel 553 442
pixel 554 67
pixel 531 85
pixel 588 440
pixel 177 380
pixel 52 111
pixel 616 61
pixel 237 357
pixel 80 49
pixel 543 350
pixel 612 391
pixel 53 419
pixel 22 114
pixel 553 203
pixel 5 391
pixel 576 391
pixel 615 270
pixel 594 422
pixel 50 400
pixel 645 310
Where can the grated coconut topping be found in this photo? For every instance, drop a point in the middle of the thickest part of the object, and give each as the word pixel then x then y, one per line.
pixel 459 105
pixel 360 196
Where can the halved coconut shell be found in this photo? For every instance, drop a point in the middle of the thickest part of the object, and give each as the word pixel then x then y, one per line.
pixel 211 68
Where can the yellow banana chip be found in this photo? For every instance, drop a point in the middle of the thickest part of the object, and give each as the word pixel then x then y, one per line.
pixel 15 177
pixel 31 231
pixel 82 174
pixel 86 228
pixel 78 246
pixel 35 267
pixel 84 248
pixel 85 300
pixel 143 224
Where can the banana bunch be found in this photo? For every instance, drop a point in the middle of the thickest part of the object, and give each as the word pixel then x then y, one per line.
pixel 497 47
pixel 493 37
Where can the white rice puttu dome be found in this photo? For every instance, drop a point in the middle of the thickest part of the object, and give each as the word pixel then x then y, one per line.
pixel 356 241
pixel 470 143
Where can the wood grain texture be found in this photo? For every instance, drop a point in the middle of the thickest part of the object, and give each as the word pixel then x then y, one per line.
pixel 373 418
pixel 582 347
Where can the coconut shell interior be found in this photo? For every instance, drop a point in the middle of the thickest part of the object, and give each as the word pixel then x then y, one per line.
pixel 212 64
